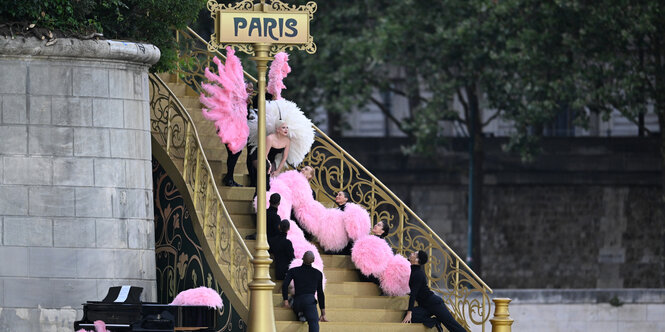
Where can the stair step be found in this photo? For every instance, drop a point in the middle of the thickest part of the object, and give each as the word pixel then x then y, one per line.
pixel 167 77
pixel 340 275
pixel 218 167
pixel 237 193
pixel 293 326
pixel 239 207
pixel 246 231
pixel 338 261
pixel 178 89
pixel 367 302
pixel 340 288
pixel 348 315
pixel 190 102
pixel 243 220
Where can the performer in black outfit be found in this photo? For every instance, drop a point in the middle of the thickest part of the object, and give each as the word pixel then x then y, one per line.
pixel 428 303
pixel 282 250
pixel 381 229
pixel 272 219
pixel 341 199
pixel 251 168
pixel 306 280
pixel 231 160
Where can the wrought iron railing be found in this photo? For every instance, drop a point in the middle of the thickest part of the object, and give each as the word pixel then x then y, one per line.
pixel 465 293
pixel 173 129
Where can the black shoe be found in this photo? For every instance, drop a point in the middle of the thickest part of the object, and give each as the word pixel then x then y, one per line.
pixel 229 182
pixel 438 327
pixel 251 237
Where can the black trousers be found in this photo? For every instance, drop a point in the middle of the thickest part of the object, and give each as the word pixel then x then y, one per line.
pixel 434 306
pixel 251 157
pixel 231 161
pixel 306 303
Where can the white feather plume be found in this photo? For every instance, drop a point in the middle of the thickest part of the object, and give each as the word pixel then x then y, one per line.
pixel 301 130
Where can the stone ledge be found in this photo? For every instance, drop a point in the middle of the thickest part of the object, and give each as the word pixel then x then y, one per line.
pixel 573 296
pixel 77 48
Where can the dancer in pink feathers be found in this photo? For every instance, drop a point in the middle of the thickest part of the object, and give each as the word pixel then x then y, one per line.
pixel 226 105
pixel 335 228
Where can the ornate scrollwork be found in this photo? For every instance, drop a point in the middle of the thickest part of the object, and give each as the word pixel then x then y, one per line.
pixel 271 6
pixel 463 291
pixel 181 264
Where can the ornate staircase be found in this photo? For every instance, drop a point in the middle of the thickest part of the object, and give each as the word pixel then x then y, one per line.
pixel 351 304
pixel 226 216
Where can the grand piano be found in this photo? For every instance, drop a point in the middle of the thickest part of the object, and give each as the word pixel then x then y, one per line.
pixel 122 311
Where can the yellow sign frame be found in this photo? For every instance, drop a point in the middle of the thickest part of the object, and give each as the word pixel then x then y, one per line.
pixel 268 19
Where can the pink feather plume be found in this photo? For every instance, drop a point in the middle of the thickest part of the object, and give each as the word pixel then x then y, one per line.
pixel 226 101
pixel 279 68
pixel 334 228
pixel 395 278
pixel 199 296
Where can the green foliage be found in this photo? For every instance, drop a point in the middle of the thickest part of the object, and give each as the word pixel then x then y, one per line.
pixel 526 60
pixel 148 21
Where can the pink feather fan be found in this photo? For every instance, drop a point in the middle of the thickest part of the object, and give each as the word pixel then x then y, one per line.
pixel 226 103
pixel 279 68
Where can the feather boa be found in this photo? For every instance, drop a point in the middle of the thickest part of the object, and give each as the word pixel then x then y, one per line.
pixel 226 104
pixel 301 130
pixel 279 68
pixel 334 228
pixel 295 234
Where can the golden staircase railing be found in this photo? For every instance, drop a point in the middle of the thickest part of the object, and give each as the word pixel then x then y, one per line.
pixel 173 129
pixel 465 293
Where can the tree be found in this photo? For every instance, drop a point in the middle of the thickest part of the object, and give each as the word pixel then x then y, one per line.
pixel 138 20
pixel 614 61
pixel 439 48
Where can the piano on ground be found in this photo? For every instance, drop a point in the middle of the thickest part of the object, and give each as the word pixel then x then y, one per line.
pixel 122 311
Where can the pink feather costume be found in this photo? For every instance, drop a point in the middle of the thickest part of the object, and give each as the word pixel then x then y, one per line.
pixel 226 104
pixel 334 228
pixel 295 234
pixel 279 68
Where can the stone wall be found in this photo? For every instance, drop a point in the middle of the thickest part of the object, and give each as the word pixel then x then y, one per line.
pixel 585 214
pixel 585 310
pixel 76 213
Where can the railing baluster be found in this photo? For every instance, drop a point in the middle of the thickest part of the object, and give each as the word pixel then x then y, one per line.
pixel 218 232
pixel 186 160
pixel 197 178
pixel 169 131
pixel 206 206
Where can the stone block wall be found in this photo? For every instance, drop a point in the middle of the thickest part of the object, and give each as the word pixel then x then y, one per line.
pixel 76 214
pixel 585 214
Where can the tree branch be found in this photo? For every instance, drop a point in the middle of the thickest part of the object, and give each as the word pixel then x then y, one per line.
pixel 394 90
pixel 391 117
pixel 491 118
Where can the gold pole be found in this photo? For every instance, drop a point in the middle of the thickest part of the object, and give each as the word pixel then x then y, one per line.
pixel 501 322
pixel 261 315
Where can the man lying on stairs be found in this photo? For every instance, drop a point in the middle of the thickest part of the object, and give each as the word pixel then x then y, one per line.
pixel 428 304
pixel 306 281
